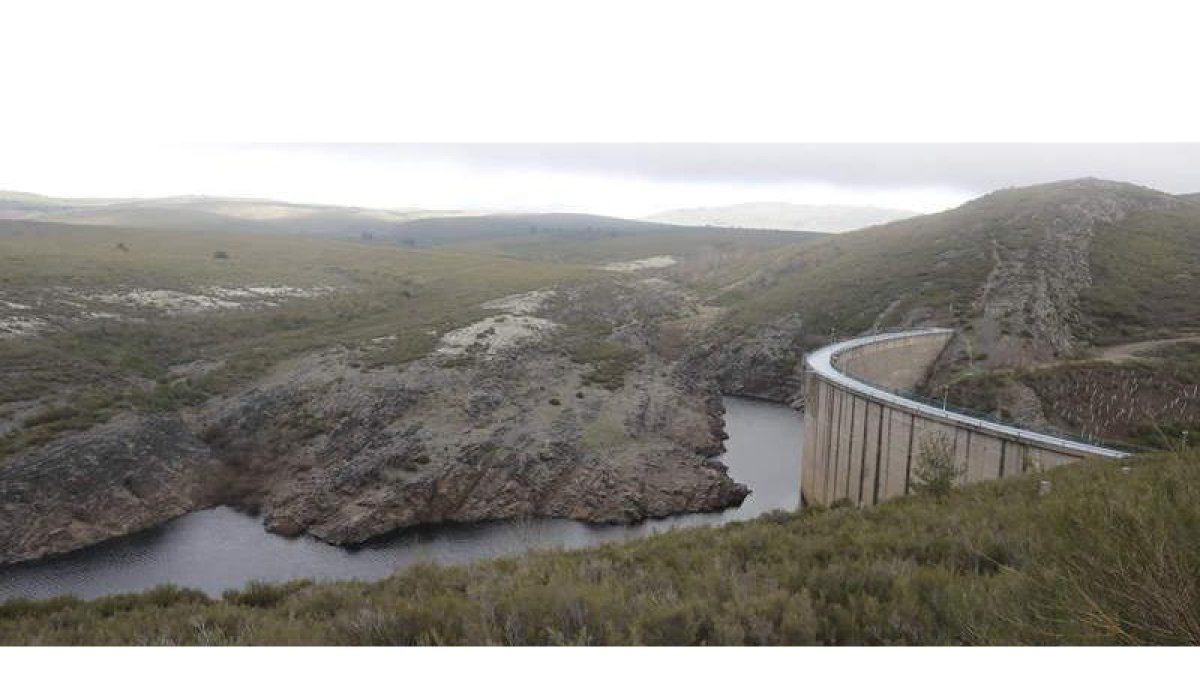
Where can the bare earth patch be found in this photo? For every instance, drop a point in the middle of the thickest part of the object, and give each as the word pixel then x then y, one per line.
pixel 502 331
pixel 17 326
pixel 207 299
pixel 655 262
pixel 1133 350
pixel 61 306
pixel 495 334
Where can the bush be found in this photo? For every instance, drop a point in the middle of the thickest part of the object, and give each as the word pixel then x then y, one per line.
pixel 609 360
pixel 937 468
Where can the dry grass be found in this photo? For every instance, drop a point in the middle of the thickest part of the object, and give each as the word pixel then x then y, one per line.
pixel 1107 557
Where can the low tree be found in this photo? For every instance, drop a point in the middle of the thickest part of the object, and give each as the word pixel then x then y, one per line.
pixel 936 469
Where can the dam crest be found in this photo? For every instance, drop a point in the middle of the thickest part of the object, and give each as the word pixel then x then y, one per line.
pixel 864 433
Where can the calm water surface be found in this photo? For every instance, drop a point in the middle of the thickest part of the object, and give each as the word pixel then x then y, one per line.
pixel 218 549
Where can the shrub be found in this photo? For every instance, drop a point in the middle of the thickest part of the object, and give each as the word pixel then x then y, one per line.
pixel 937 468
pixel 609 361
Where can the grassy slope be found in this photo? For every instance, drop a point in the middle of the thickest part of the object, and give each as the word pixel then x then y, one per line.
pixel 1139 404
pixel 209 213
pixel 1145 274
pixel 1145 284
pixel 1146 277
pixel 842 283
pixel 97 368
pixel 1145 269
pixel 682 242
pixel 104 366
pixel 1108 556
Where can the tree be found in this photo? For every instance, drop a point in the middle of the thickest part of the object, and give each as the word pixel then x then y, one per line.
pixel 937 468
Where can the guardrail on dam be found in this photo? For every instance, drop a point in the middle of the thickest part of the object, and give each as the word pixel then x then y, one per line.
pixel 862 440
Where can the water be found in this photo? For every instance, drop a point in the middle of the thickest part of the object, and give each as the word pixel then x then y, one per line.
pixel 220 548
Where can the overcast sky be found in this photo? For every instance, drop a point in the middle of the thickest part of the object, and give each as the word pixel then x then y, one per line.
pixel 614 179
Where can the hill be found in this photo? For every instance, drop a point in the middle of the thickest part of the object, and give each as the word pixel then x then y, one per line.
pixel 209 213
pixel 783 216
pixel 449 230
pixel 348 389
pixel 1030 277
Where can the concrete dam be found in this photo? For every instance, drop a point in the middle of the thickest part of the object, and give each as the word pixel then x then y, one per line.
pixel 864 436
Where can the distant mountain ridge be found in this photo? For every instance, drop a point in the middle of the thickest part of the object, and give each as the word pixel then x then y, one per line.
pixel 784 216
pixel 198 212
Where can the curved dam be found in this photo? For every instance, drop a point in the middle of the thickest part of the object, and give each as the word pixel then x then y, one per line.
pixel 863 439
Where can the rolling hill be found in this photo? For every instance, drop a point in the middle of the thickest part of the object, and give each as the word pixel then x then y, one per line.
pixel 783 216
pixel 1031 277
pixel 210 213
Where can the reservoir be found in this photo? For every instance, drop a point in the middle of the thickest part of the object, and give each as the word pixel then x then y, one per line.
pixel 219 549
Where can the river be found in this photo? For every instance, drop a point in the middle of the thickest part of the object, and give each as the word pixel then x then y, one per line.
pixel 218 549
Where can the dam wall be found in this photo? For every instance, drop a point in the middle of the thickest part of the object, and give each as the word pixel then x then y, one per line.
pixel 864 436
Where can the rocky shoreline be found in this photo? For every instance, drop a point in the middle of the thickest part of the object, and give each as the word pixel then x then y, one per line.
pixel 327 447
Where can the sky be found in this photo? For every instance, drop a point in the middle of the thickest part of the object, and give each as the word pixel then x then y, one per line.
pixel 626 180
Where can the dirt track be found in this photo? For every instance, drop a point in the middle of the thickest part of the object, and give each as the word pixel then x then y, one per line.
pixel 1130 350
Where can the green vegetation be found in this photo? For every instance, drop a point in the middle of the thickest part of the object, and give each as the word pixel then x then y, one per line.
pixel 1145 277
pixel 936 469
pixel 1144 269
pixel 1140 404
pixel 703 245
pixel 100 367
pixel 1108 556
pixel 1143 403
pixel 609 360
pixel 842 285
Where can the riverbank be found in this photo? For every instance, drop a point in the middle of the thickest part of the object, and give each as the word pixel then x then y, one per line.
pixel 219 549
pixel 1105 557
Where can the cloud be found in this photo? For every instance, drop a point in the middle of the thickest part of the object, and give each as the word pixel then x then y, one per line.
pixel 615 179
pixel 965 166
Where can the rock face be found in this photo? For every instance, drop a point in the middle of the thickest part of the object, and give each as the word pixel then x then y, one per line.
pixel 767 364
pixel 1036 279
pixel 603 425
pixel 347 454
pixel 120 477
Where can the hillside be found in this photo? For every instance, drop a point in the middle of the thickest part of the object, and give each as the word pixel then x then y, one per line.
pixel 783 216
pixel 347 389
pixel 1106 558
pixel 450 230
pixel 1030 276
pixel 209 213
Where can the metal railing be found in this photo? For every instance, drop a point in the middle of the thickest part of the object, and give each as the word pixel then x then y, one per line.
pixel 823 361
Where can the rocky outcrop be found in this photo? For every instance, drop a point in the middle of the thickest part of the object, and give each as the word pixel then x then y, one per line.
pixel 765 365
pixel 349 454
pixel 328 447
pixel 119 477
pixel 1028 309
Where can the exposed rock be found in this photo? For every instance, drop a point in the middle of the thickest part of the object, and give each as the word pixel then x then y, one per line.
pixel 346 453
pixel 126 475
pixel 767 364
pixel 1028 309
pixel 502 438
